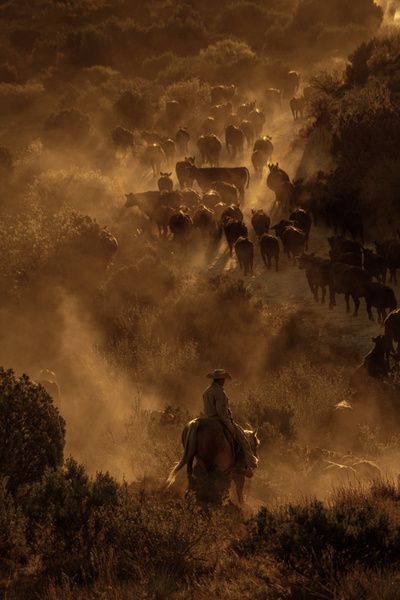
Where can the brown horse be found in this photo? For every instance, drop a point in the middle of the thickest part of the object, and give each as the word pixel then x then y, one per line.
pixel 209 445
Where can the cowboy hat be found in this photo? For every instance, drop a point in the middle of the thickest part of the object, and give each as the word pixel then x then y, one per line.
pixel 219 374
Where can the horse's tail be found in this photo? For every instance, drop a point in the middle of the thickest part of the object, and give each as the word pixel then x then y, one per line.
pixel 188 452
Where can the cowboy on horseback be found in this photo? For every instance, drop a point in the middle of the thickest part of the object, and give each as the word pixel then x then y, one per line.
pixel 216 405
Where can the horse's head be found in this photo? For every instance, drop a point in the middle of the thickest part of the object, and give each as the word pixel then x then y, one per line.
pixel 253 439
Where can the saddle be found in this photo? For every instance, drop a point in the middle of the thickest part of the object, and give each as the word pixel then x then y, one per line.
pixel 234 444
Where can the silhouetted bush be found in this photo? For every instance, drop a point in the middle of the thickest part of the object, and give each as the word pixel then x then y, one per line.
pixel 8 73
pixel 227 61
pixel 6 161
pixel 134 109
pixel 66 128
pixel 79 526
pixel 325 542
pixel 24 39
pixel 32 431
pixel 13 545
pixel 87 48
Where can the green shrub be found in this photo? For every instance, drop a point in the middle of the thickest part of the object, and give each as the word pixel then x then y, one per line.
pixel 32 431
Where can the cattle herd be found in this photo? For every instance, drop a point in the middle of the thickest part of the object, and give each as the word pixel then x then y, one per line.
pixel 207 199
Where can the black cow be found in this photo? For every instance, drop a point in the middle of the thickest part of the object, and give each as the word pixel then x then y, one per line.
pixel 234 229
pixel 260 222
pixel 205 177
pixel 180 225
pixel 390 250
pixel 375 265
pixel 340 246
pixel 183 173
pixel 269 248
pixel 318 271
pixel 302 220
pixel 165 183
pixel 350 281
pixel 293 239
pixel 381 297
pixel 244 250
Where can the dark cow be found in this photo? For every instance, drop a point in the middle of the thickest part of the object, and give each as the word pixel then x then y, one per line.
pixel 146 201
pixel 259 161
pixel 273 98
pixel 244 250
pixel 222 93
pixel 233 119
pixel 180 225
pixel 204 221
pixel 211 198
pixel 286 196
pixel 276 176
pixel 248 130
pixel 210 149
pixel 317 270
pixel 149 204
pixel 290 84
pixel 165 183
pixel 390 250
pixel 260 222
pixel 173 110
pixel 209 126
pixel 381 297
pixel 190 198
pixel 183 172
pixel 302 220
pixel 376 362
pixel 221 112
pixel 348 258
pixel 154 156
pixel 293 239
pixel 161 216
pixel 269 248
pixel 264 144
pixel 227 191
pixel 257 117
pixel 375 265
pixel 182 139
pixel 232 212
pixel 392 329
pixel 122 139
pixel 244 110
pixel 233 230
pixel 350 281
pixel 219 210
pixel 285 191
pixel 205 177
pixel 234 140
pixel 168 145
pixel 340 247
pixel 297 106
pixel 350 221
pixel 150 137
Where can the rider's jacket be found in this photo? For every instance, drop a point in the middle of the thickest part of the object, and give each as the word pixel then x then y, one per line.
pixel 216 404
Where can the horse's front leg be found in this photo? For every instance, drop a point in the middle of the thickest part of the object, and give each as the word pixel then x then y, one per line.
pixel 239 486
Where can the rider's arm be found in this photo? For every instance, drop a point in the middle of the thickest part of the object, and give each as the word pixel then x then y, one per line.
pixel 222 407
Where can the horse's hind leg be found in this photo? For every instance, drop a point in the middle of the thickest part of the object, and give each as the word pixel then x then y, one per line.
pixel 189 471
